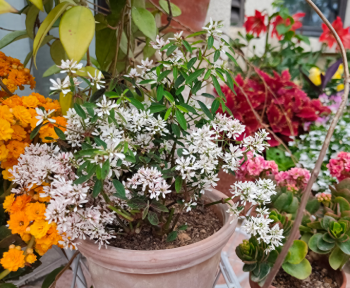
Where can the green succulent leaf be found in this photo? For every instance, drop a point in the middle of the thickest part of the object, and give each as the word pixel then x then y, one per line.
pixel 325 222
pixel 345 247
pixel 336 258
pixel 325 246
pixel 298 251
pixel 343 204
pixel 300 271
pixel 313 243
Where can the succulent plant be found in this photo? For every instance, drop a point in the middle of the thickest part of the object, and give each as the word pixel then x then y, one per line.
pixel 342 189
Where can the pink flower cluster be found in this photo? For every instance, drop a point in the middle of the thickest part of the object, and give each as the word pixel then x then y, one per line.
pixel 340 166
pixel 295 179
pixel 324 197
pixel 255 166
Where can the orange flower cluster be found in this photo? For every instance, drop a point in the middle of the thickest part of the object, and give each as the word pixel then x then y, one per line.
pixel 14 75
pixel 17 121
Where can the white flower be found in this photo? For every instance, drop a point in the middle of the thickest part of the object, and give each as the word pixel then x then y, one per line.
pixel 42 116
pixel 70 66
pixel 105 106
pixel 160 43
pixel 61 85
pixel 133 74
pixel 213 29
pixel 146 65
pixel 97 79
pixel 177 36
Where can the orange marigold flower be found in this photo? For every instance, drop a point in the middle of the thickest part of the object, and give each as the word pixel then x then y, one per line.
pixel 51 238
pixel 32 112
pixel 41 249
pixel 5 113
pixel 17 77
pixel 22 114
pixel 32 82
pixel 26 237
pixel 13 101
pixel 8 202
pixel 18 222
pixel 10 85
pixel 9 163
pixel 16 148
pixel 52 105
pixel 20 203
pixel 7 175
pixel 35 211
pixel 39 228
pixel 41 98
pixel 18 133
pixel 3 152
pixel 13 260
pixel 5 130
pixel 30 258
pixel 30 101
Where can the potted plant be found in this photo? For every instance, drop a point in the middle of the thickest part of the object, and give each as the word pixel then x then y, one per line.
pixel 134 169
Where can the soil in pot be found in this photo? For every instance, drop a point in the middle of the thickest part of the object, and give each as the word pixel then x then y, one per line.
pixel 201 223
pixel 320 277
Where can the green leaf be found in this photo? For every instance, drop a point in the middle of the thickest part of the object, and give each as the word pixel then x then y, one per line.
pixel 325 246
pixel 178 183
pixel 313 243
pixel 50 278
pixel 283 29
pixel 170 50
pixel 46 26
pixel 208 95
pixel 300 271
pixel 11 37
pixel 7 285
pixel 160 93
pixel 182 228
pixel 59 133
pixel 145 212
pixel 343 204
pixel 35 131
pixel 168 96
pixel 97 188
pixel 137 203
pixel 105 169
pixel 106 42
pixel 157 108
pixel 312 206
pixel 144 20
pixel 175 129
pixel 32 14
pixel 205 110
pixel 163 75
pixel 216 55
pixel 337 258
pixel 187 46
pixel 96 95
pixel 210 42
pixel 57 52
pixel 283 201
pixel 183 109
pixel 85 178
pixel 196 34
pixel 6 8
pixel 52 70
pixel 189 108
pixel 231 58
pixel 217 86
pixel 120 189
pixel 215 106
pixel 137 103
pixel 181 119
pixel 171 236
pixel 168 112
pixel 153 218
pixel 79 110
pixel 298 251
pixel 175 10
pixel 345 246
pixel 179 81
pixel 38 4
pixel 193 76
pixel 191 63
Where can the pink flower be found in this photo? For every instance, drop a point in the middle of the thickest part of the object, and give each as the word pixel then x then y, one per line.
pixel 340 166
pixel 295 179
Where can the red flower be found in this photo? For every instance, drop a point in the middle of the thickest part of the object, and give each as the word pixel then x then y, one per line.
pixel 279 20
pixel 256 24
pixel 343 33
pixel 284 107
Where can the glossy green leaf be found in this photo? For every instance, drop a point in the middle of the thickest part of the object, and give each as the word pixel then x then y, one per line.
pixel 46 26
pixel 325 246
pixel 59 133
pixel 193 76
pixel 345 247
pixel 205 110
pixel 344 205
pixel 178 183
pixel 215 106
pixel 298 251
pixel 300 271
pixel 216 55
pixel 137 103
pixel 97 188
pixel 167 114
pixel 152 218
pixel 106 42
pixel 38 4
pixel 187 46
pixel 181 119
pixel 57 52
pixel 77 29
pixel 171 236
pixel 120 189
pixel 50 278
pixel 157 108
pixel 144 20
pixel 210 42
pixel 313 243
pixel 337 258
pixel 11 37
pixel 175 10
pixel 32 14
pixel 217 86
pixel 79 110
pixel 160 92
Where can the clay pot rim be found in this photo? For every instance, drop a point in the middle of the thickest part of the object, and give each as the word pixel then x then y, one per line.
pixel 167 260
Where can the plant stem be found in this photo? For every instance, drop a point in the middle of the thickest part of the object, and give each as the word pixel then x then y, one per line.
pixel 120 213
pixel 222 201
pixel 167 224
pixel 170 17
pixel 3 86
pixel 4 273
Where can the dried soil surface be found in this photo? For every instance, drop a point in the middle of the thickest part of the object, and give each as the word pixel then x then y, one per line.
pixel 200 225
pixel 320 278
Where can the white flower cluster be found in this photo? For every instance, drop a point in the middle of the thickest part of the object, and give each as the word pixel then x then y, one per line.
pixel 259 194
pixel 309 145
pixel 151 181
pixel 36 167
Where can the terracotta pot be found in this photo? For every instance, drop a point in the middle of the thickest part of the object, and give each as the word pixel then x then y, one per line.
pixel 192 266
pixel 193 16
pixel 340 277
pixel 225 183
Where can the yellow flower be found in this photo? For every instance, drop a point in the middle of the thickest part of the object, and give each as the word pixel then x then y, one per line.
pixel 7 175
pixel 26 237
pixel 5 130
pixel 13 260
pixel 20 203
pixel 39 228
pixel 18 223
pixel 16 148
pixel 339 73
pixel 5 113
pixel 315 76
pixel 31 258
pixel 22 114
pixel 8 202
pixel 35 211
pixel 3 152
pixel 30 101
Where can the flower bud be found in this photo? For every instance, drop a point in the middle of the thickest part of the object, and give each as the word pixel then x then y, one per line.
pixel 26 70
pixel 18 248
pixel 12 246
pixel 28 229
pixel 30 251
